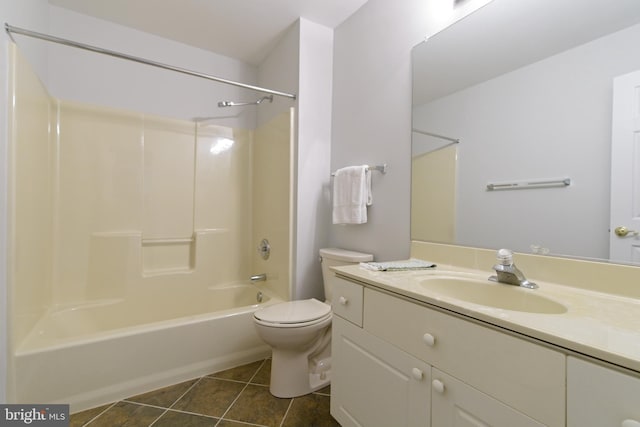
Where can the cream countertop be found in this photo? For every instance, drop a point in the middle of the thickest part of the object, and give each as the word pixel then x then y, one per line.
pixel 600 325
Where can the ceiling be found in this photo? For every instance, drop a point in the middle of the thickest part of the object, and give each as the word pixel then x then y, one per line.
pixel 241 29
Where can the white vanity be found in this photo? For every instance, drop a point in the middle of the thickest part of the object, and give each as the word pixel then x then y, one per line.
pixel 408 354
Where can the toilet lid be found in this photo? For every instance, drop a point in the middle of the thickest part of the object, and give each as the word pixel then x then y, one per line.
pixel 294 311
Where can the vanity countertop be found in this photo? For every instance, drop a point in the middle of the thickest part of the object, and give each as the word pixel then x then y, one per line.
pixel 596 324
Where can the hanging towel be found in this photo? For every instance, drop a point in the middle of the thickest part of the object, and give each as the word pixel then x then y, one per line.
pixel 351 195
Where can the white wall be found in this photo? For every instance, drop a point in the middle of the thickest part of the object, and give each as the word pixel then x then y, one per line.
pixel 280 71
pixel 89 77
pixel 31 14
pixel 313 157
pixel 302 63
pixel 372 117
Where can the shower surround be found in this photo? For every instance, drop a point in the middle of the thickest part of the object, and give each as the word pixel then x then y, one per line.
pixel 131 237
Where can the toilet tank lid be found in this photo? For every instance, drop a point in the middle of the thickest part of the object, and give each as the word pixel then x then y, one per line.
pixel 345 255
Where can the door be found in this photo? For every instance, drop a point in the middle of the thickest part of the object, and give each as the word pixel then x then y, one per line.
pixel 374 384
pixel 456 404
pixel 625 169
pixel 598 396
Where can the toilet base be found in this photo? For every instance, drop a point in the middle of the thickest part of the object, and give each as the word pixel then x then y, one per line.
pixel 293 376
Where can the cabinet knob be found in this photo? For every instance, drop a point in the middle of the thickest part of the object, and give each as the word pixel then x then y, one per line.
pixel 417 374
pixel 630 423
pixel 429 339
pixel 438 386
pixel 343 300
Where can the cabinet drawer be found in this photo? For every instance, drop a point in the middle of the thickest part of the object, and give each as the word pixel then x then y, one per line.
pixel 524 375
pixel 347 300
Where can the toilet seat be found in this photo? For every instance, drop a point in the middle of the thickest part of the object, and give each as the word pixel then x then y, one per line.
pixel 293 314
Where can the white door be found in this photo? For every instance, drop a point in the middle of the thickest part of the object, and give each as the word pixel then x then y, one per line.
pixel 374 384
pixel 625 169
pixel 598 396
pixel 456 404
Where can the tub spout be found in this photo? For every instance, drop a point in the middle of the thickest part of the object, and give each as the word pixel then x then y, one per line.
pixel 259 277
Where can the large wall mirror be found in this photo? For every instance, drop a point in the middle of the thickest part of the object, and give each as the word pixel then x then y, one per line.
pixel 513 120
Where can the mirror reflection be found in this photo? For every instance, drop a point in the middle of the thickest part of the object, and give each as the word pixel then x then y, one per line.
pixel 513 126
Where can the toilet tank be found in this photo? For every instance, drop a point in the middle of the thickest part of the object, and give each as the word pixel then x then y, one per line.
pixel 334 257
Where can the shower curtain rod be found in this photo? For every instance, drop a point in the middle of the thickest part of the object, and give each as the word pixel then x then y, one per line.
pixel 16 30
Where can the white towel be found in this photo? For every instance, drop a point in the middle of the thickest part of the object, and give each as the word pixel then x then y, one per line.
pixel 402 265
pixel 351 195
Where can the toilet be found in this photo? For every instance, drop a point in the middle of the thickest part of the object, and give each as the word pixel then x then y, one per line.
pixel 299 333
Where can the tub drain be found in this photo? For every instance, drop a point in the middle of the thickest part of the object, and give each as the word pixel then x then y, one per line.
pixel 259 296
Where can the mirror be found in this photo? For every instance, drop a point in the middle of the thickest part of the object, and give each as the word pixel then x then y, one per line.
pixel 520 92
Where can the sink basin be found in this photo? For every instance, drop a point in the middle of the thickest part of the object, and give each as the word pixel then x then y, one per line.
pixel 497 295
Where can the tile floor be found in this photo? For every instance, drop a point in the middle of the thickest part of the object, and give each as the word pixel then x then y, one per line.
pixel 237 397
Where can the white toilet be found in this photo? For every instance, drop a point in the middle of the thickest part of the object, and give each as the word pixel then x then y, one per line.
pixel 299 333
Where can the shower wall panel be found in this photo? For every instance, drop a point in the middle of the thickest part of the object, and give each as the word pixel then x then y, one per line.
pixel 108 203
pixel 272 200
pixel 31 154
pixel 223 194
pixel 100 184
pixel 435 174
pixel 168 183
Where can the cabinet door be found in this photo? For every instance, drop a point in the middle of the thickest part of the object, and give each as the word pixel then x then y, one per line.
pixel 375 384
pixel 597 396
pixel 456 404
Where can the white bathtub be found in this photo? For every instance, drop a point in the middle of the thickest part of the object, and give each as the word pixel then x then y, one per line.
pixel 96 353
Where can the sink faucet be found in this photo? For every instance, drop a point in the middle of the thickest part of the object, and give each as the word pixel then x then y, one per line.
pixel 507 272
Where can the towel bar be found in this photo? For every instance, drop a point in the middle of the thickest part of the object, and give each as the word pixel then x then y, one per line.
pixel 562 182
pixel 381 168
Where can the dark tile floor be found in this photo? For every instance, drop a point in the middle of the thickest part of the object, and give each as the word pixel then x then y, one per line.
pixel 237 397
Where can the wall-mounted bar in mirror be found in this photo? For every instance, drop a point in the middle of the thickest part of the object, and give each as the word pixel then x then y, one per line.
pixel 380 168
pixel 523 185
pixel 435 135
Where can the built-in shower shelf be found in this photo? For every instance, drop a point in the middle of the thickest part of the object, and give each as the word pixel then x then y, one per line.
pixel 167 241
pixel 167 255
pixel 166 271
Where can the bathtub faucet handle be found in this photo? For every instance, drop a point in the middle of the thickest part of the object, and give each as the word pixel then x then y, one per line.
pixel 259 277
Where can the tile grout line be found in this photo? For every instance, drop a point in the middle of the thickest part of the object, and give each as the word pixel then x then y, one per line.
pixel 94 418
pixel 287 412
pixel 187 391
pixel 160 416
pixel 243 389
pixel 264 362
pixel 170 406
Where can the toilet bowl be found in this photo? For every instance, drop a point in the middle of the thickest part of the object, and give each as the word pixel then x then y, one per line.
pixel 299 334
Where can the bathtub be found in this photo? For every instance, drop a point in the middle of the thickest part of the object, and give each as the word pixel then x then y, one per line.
pixel 95 353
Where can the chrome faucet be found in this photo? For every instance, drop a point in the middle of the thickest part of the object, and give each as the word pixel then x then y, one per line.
pixel 507 272
pixel 258 277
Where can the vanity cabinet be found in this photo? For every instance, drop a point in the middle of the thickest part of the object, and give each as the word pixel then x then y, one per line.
pixel 402 357
pixel 598 396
